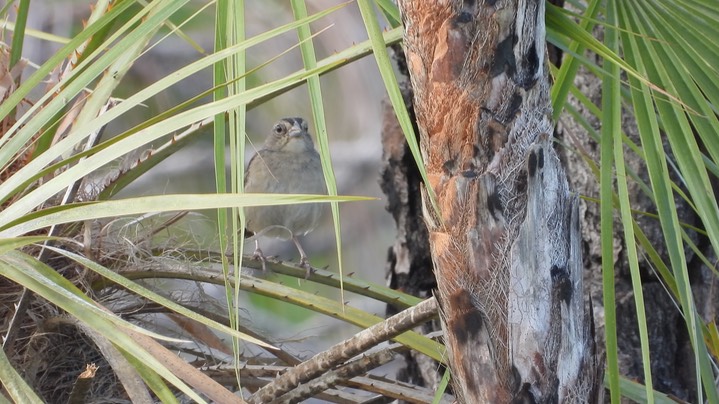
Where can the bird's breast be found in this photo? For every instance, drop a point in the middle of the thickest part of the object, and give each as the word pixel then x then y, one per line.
pixel 286 173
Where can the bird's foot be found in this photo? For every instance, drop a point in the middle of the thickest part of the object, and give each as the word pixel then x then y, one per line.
pixel 305 263
pixel 258 255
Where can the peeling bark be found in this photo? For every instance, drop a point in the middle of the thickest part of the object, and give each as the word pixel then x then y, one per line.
pixel 505 243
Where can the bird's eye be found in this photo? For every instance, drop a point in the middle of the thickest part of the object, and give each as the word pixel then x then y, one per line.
pixel 278 129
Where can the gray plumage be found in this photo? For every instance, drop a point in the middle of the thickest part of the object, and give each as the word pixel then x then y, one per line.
pixel 287 164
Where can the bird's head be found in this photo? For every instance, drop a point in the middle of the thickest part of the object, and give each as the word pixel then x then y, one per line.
pixel 289 134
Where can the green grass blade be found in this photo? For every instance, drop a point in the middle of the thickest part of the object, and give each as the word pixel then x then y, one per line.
pixel 565 77
pixel 611 134
pixel 46 282
pixel 359 286
pixel 14 385
pixel 309 60
pixel 311 301
pixel 638 55
pixel 393 91
pixel 35 168
pixel 219 131
pixel 78 79
pixel 14 243
pixel 685 76
pixel 588 41
pixel 611 117
pixel 137 141
pixel 18 36
pixel 638 392
pixel 391 11
pixel 55 60
pixel 152 296
pixel 33 33
pixel 443 384
pixel 162 203
pixel 230 31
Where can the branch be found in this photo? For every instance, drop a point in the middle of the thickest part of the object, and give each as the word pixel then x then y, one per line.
pixel 347 349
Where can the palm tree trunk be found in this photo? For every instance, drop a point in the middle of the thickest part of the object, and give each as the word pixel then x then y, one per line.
pixel 505 241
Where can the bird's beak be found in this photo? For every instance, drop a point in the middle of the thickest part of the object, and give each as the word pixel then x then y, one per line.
pixel 295 130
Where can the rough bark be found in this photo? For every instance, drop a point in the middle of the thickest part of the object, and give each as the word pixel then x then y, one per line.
pixel 505 241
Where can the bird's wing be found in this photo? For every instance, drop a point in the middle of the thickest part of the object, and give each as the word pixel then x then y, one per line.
pixel 253 160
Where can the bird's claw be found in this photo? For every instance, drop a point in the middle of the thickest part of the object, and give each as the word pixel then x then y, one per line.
pixel 258 255
pixel 305 263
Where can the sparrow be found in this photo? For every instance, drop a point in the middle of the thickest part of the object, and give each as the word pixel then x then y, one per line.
pixel 287 163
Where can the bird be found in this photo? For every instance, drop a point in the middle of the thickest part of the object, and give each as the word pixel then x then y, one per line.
pixel 287 163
